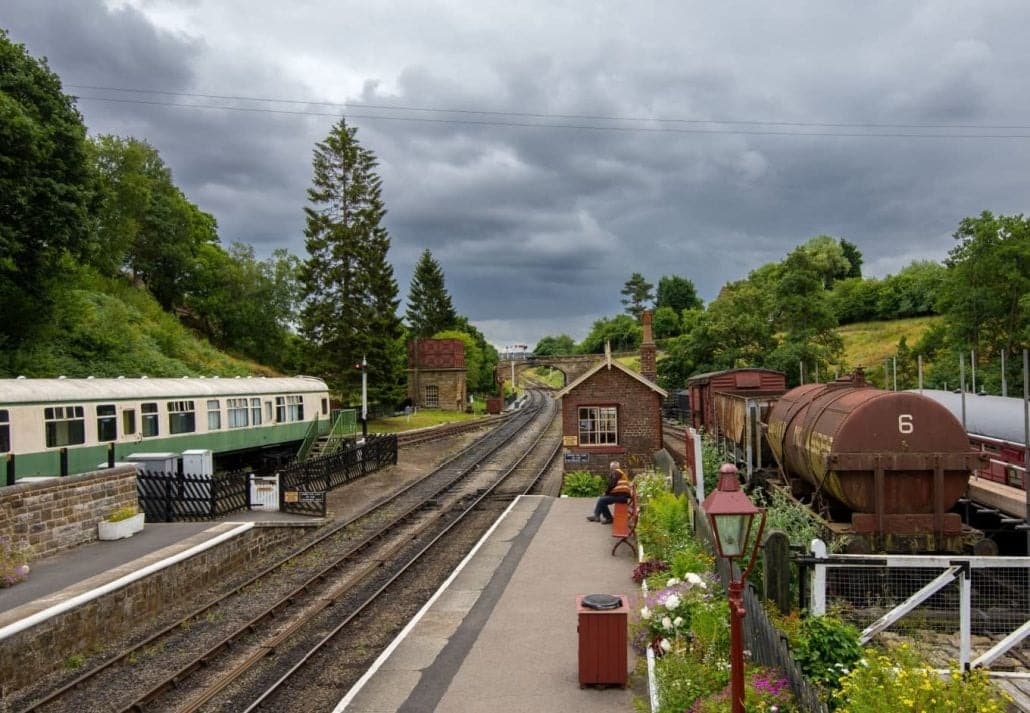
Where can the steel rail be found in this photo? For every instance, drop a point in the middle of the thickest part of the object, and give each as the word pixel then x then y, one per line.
pixel 458 519
pixel 333 530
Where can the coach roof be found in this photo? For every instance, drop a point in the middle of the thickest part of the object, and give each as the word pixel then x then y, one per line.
pixel 21 391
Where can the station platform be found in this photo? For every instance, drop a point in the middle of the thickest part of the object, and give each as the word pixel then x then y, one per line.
pixel 1004 498
pixel 64 580
pixel 501 633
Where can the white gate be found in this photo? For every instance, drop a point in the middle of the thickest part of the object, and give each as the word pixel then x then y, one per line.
pixel 935 591
pixel 264 492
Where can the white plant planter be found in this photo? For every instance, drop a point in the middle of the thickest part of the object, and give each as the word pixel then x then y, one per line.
pixel 121 529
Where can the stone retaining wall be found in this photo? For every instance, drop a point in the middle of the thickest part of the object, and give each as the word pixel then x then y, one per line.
pixel 54 514
pixel 97 625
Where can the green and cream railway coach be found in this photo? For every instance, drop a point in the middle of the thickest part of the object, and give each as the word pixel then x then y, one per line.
pixel 43 421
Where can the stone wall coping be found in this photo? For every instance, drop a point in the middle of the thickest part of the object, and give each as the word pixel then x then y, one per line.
pixel 20 487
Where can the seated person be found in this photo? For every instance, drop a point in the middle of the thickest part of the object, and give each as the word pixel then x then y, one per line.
pixel 617 492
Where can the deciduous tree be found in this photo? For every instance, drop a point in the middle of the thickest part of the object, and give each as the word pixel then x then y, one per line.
pixel 45 188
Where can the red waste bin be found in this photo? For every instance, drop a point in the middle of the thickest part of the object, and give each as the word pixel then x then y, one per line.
pixel 603 621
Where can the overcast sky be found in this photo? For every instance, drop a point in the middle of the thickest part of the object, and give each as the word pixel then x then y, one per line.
pixel 546 150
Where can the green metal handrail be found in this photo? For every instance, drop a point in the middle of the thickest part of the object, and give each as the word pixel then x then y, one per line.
pixel 344 425
pixel 309 440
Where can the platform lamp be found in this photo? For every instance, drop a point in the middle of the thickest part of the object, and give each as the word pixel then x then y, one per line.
pixel 731 515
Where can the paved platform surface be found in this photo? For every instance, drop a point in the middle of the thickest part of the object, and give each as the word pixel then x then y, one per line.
pixel 75 572
pixel 502 634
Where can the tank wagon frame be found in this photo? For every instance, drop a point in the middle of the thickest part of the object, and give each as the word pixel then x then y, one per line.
pixel 882 470
pixel 893 463
pixel 79 421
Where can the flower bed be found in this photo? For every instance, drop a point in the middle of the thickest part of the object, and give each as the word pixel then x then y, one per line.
pixel 683 626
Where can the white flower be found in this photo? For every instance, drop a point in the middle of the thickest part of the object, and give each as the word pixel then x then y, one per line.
pixel 664 645
pixel 678 622
pixel 645 613
pixel 672 582
pixel 672 601
pixel 694 580
pixel 666 623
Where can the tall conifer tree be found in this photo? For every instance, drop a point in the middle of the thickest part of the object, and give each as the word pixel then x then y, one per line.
pixel 430 309
pixel 350 294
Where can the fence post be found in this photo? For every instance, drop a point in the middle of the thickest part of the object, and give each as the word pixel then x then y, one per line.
pixel 10 469
pixel 110 455
pixel 965 589
pixel 64 461
pixel 818 594
pixel 776 569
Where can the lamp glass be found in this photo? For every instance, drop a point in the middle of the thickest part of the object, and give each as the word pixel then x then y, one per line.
pixel 731 533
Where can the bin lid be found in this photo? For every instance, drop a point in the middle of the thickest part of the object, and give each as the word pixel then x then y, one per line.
pixel 602 601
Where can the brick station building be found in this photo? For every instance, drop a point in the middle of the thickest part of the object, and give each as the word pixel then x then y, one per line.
pixel 436 374
pixel 613 413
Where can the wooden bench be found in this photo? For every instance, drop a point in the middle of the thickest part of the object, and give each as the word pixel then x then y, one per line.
pixel 624 522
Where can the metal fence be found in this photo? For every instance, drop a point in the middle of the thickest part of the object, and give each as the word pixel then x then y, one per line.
pixel 961 606
pixel 179 497
pixel 767 644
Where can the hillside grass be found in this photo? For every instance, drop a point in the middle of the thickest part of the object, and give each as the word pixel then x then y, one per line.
pixel 868 344
pixel 107 328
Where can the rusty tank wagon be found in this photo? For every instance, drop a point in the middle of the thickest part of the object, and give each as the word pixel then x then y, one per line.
pixel 888 466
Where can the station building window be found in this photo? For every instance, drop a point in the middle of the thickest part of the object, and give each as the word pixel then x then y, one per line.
pixel 5 431
pixel 150 424
pixel 598 425
pixel 289 408
pixel 214 415
pixel 65 425
pixel 237 409
pixel 182 417
pixel 432 396
pixel 107 423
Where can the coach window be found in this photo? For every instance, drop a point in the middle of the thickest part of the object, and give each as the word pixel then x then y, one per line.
pixel 325 407
pixel 268 411
pixel 255 412
pixel 150 424
pixel 289 408
pixel 237 409
pixel 107 423
pixel 5 431
pixel 598 426
pixel 182 417
pixel 214 415
pixel 65 425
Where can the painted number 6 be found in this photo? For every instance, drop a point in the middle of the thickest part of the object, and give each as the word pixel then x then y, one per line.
pixel 905 423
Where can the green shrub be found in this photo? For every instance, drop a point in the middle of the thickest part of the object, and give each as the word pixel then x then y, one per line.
pixel 899 680
pixel 664 526
pixel 826 649
pixel 583 484
pixel 649 484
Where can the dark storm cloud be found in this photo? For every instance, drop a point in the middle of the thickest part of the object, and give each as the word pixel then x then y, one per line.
pixel 537 228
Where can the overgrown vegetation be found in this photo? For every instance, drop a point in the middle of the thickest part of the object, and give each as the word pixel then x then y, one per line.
pixel 583 484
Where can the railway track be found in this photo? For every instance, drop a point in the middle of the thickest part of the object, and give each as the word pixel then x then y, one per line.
pixel 248 647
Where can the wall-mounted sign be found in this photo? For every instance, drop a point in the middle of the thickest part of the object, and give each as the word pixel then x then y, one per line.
pixel 570 440
pixel 577 457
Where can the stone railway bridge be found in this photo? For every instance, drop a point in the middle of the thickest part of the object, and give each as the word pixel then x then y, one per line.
pixel 572 367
